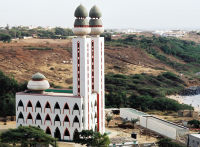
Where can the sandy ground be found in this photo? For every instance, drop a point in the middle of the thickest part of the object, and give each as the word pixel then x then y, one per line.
pixel 179 99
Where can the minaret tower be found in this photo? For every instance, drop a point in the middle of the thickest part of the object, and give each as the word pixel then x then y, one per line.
pixel 82 62
pixel 97 62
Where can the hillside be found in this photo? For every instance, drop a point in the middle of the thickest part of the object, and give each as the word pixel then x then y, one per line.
pixel 130 55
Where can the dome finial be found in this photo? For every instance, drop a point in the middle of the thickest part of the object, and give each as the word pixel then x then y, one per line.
pixel 81 12
pixel 81 24
pixel 95 12
pixel 96 24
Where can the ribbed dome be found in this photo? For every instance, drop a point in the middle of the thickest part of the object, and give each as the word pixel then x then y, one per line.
pixel 81 12
pixel 38 83
pixel 95 22
pixel 81 22
pixel 95 12
pixel 38 77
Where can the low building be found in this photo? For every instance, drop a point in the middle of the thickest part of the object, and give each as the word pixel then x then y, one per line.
pixel 157 125
pixel 193 140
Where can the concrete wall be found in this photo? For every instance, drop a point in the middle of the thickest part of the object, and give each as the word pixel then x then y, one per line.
pixel 157 125
pixel 194 141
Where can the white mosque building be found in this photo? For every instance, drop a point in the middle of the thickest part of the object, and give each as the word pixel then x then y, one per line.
pixel 64 113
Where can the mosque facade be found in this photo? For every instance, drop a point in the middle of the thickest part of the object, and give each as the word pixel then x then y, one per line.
pixel 63 113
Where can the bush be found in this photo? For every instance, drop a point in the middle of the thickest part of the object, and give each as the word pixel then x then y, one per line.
pixel 168 143
pixel 144 92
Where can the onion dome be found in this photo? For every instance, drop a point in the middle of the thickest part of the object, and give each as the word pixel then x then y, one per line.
pixel 95 23
pixel 81 24
pixel 81 12
pixel 38 83
pixel 95 12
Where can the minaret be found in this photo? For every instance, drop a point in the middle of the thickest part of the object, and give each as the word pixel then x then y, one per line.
pixel 97 59
pixel 82 62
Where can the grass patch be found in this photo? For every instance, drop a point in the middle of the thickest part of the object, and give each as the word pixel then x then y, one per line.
pixel 37 48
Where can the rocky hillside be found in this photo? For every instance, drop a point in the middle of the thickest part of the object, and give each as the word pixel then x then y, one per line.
pixel 22 58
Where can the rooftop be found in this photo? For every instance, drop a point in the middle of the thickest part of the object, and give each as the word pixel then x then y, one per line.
pixel 52 92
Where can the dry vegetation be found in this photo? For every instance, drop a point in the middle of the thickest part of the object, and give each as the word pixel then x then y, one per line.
pixel 53 58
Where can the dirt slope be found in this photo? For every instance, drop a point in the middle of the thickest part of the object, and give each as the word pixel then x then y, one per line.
pixel 19 60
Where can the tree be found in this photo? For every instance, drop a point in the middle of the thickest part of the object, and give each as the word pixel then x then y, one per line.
pixel 108 119
pixel 26 136
pixel 194 123
pixel 5 37
pixel 94 139
pixel 8 89
pixel 133 121
pixel 168 143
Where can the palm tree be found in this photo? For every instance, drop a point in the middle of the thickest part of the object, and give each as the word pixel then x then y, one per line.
pixel 133 121
pixel 108 119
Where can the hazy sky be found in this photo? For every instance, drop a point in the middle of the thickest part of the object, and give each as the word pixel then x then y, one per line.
pixel 139 14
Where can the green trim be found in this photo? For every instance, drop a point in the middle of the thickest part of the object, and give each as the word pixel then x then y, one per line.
pixel 59 90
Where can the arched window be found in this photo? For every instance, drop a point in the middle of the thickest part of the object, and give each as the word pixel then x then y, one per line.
pixel 76 120
pixel 57 118
pixel 38 117
pixel 47 106
pixel 20 116
pixel 57 106
pixel 29 117
pixel 76 108
pixel 66 107
pixel 66 119
pixel 48 131
pixel 38 105
pixel 29 105
pixel 20 104
pixel 76 135
pixel 47 118
pixel 57 134
pixel 66 133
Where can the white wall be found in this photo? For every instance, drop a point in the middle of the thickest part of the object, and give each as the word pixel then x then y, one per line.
pixel 152 123
pixel 52 100
pixel 99 81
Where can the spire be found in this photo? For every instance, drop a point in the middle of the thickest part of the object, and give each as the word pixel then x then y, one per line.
pixel 95 21
pixel 81 24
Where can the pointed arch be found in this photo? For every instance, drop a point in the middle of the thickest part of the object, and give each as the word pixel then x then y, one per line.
pixel 57 106
pixel 29 104
pixel 76 135
pixel 20 116
pixel 20 104
pixel 75 108
pixel 66 119
pixel 29 116
pixel 76 120
pixel 66 133
pixel 47 118
pixel 66 107
pixel 48 131
pixel 57 134
pixel 48 106
pixel 57 118
pixel 38 105
pixel 38 117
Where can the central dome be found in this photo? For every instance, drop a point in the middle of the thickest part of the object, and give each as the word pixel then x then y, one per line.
pixel 81 12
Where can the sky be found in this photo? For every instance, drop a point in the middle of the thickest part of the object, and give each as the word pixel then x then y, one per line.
pixel 117 14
